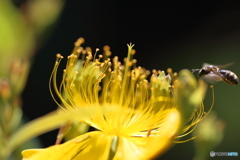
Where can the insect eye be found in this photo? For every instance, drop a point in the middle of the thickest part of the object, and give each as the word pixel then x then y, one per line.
pixel 203 71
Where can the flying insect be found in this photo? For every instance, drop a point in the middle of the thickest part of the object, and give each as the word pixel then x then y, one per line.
pixel 214 73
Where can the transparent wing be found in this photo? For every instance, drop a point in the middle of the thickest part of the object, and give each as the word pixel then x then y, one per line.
pixel 219 66
pixel 226 65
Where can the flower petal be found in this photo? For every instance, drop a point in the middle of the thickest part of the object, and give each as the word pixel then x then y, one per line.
pixel 141 148
pixel 88 146
pixel 66 151
pixel 96 145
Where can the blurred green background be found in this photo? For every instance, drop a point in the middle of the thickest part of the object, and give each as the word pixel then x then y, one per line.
pixel 176 34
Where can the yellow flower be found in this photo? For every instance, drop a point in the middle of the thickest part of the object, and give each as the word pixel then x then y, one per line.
pixel 149 115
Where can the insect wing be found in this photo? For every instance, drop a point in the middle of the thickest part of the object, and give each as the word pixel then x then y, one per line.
pixel 207 64
pixel 219 66
pixel 226 65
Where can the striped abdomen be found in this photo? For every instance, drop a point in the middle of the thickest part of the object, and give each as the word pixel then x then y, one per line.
pixel 229 77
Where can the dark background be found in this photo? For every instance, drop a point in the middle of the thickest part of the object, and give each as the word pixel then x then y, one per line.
pixel 176 34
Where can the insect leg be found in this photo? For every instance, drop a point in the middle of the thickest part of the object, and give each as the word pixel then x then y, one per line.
pixel 195 70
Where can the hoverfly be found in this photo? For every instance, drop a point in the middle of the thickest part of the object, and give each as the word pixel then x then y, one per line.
pixel 213 73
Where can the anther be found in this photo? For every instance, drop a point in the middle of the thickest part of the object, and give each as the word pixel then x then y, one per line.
pixel 79 50
pixel 133 51
pixel 108 53
pixel 84 52
pixel 88 49
pixel 79 41
pixel 106 48
pixel 59 56
pixel 134 61
pixel 169 70
pixel 154 71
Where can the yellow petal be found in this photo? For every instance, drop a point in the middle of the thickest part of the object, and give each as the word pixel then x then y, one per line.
pixel 96 145
pixel 64 151
pixel 51 121
pixel 142 148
